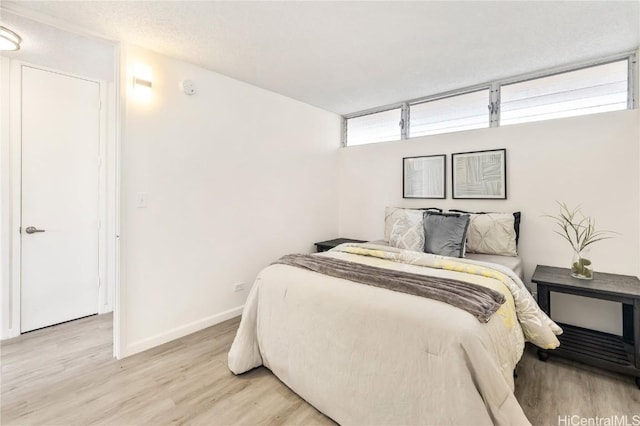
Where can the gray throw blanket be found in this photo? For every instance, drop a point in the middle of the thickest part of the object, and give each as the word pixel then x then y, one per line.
pixel 481 302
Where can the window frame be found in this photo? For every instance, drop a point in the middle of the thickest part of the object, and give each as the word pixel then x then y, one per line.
pixel 631 76
pixel 372 111
pixel 447 95
pixel 494 87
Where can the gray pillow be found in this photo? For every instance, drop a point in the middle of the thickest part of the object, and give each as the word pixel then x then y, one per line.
pixel 445 233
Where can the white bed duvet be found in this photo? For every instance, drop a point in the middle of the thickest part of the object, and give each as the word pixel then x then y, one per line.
pixel 367 355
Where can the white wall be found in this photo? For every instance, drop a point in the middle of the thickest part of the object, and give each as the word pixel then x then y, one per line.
pixel 590 160
pixel 5 197
pixel 59 50
pixel 236 176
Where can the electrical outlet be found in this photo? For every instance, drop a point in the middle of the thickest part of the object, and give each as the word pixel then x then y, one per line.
pixel 238 287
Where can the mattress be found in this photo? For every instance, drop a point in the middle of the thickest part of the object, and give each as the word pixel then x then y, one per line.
pixel 512 262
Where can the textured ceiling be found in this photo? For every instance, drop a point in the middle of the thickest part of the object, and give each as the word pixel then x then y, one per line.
pixel 61 50
pixel 349 56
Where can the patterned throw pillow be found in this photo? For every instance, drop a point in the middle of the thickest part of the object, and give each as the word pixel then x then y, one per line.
pixel 407 234
pixel 492 233
pixel 392 214
pixel 516 220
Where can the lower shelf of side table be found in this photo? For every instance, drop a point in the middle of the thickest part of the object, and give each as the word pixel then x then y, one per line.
pixel 594 348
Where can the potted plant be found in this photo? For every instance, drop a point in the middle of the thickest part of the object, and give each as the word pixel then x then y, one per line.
pixel 580 231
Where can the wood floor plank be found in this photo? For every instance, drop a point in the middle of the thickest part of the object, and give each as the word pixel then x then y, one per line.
pixel 558 387
pixel 66 375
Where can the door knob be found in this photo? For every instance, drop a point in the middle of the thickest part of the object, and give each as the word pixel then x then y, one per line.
pixel 33 230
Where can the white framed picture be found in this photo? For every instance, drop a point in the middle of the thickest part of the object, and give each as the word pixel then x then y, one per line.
pixel 480 175
pixel 424 177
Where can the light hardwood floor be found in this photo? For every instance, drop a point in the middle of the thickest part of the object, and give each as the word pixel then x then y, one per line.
pixel 66 375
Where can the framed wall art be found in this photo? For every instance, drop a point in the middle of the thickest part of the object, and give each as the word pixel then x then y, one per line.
pixel 480 175
pixel 424 177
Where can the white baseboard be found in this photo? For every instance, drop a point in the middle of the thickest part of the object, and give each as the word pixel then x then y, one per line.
pixel 104 309
pixel 175 333
pixel 10 333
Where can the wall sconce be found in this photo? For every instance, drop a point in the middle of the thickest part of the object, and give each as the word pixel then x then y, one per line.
pixel 142 83
pixel 137 81
pixel 9 40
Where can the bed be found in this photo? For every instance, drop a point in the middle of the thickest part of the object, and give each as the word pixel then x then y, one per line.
pixel 366 355
pixel 512 262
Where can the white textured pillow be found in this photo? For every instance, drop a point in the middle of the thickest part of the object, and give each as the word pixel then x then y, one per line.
pixel 492 233
pixel 407 234
pixel 392 214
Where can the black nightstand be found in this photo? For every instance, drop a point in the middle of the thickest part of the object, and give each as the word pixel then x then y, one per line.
pixel 328 245
pixel 608 351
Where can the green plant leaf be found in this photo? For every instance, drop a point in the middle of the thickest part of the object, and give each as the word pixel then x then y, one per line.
pixel 579 230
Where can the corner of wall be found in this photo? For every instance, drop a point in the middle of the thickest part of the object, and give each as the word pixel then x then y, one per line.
pixel 5 209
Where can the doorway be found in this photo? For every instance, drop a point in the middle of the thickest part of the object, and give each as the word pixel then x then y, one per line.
pixel 60 221
pixel 67 189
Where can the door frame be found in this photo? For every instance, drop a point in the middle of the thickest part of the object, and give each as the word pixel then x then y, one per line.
pixel 107 193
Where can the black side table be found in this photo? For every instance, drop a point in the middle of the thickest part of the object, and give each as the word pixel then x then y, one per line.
pixel 328 245
pixel 608 351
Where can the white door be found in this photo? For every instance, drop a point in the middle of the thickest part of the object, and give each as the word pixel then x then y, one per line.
pixel 60 148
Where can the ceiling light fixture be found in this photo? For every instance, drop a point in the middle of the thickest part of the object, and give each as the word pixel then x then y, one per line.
pixel 9 40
